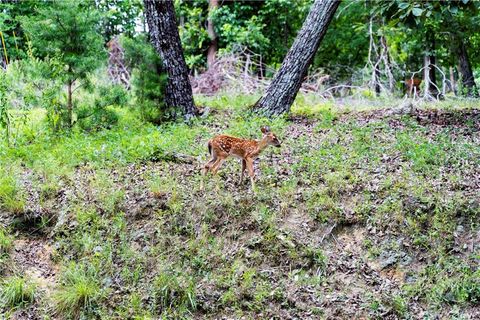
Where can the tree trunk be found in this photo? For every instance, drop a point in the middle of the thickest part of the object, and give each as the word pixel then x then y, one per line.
pixel 213 48
pixel 284 87
pixel 453 86
pixel 164 35
pixel 464 67
pixel 376 78
pixel 70 102
pixel 388 64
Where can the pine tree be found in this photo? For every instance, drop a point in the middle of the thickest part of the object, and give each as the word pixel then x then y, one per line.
pixel 66 30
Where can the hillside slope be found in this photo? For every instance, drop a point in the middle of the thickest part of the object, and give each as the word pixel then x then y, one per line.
pixel 358 215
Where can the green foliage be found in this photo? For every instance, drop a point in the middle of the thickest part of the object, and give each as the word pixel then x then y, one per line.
pixel 67 31
pixel 5 121
pixel 264 27
pixel 236 32
pixel 443 20
pixel 344 48
pixel 118 17
pixel 11 197
pixel 15 39
pixel 148 79
pixel 16 291
pixel 102 114
pixel 193 34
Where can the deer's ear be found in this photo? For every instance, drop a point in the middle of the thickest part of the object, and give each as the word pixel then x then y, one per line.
pixel 265 129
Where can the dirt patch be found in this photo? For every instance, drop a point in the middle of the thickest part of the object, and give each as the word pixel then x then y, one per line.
pixel 33 257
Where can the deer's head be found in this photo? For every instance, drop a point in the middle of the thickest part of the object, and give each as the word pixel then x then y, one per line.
pixel 270 137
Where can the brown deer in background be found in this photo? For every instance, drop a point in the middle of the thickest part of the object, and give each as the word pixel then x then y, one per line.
pixel 413 86
pixel 223 146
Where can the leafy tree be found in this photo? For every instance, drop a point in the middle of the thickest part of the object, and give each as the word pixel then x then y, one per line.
pixel 118 17
pixel 264 27
pixel 434 18
pixel 281 21
pixel 239 24
pixel 345 46
pixel 67 31
pixel 213 46
pixel 15 40
pixel 194 36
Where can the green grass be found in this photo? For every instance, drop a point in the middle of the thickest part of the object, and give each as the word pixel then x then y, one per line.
pixel 6 242
pixel 16 291
pixel 6 246
pixel 79 291
pixel 173 293
pixel 449 281
pixel 11 196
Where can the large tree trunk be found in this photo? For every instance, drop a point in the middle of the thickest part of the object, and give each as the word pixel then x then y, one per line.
pixel 464 67
pixel 213 48
pixel 281 93
pixel 163 31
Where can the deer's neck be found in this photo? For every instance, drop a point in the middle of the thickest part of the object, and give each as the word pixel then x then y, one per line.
pixel 261 145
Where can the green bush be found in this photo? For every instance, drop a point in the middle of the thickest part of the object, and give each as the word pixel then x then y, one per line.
pixel 148 79
pixel 101 114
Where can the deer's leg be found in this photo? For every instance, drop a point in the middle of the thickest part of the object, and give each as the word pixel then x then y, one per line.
pixel 244 166
pixel 217 165
pixel 251 172
pixel 209 165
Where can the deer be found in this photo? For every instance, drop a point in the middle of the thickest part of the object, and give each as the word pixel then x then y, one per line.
pixel 413 86
pixel 223 146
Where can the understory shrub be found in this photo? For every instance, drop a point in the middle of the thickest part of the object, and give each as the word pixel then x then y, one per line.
pixel 148 79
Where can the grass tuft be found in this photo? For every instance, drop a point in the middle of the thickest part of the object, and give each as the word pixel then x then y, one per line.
pixel 80 291
pixel 17 291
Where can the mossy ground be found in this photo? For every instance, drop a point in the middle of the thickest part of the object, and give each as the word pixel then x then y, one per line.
pixel 359 214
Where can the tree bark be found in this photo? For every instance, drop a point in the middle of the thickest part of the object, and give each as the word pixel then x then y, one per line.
pixel 464 67
pixel 164 35
pixel 453 85
pixel 376 78
pixel 284 87
pixel 388 64
pixel 70 102
pixel 213 48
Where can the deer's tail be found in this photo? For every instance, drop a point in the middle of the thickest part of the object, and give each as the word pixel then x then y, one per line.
pixel 209 148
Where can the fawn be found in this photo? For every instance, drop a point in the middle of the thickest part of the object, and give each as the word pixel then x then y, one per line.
pixel 413 86
pixel 223 146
